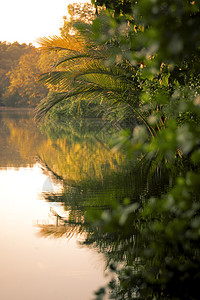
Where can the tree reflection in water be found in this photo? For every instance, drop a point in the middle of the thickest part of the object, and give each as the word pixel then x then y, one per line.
pixel 92 179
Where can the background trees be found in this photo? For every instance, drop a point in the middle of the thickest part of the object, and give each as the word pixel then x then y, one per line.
pixel 81 12
pixel 9 58
pixel 20 66
pixel 24 88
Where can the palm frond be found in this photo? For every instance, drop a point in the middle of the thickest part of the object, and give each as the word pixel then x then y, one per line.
pixel 67 43
pixel 82 74
pixel 91 54
pixel 82 89
pixel 89 71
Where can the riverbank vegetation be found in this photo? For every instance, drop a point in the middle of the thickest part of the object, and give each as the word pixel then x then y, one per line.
pixel 138 62
pixel 144 55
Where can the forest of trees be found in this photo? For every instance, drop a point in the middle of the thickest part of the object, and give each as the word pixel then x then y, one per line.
pixel 9 58
pixel 19 66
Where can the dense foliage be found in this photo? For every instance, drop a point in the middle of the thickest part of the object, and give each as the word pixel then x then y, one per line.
pixel 24 89
pixel 143 55
pixel 9 58
pixel 160 236
pixel 118 6
pixel 20 66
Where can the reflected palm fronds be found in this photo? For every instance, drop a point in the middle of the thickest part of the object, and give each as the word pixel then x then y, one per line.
pixel 91 177
pixel 61 223
pixel 62 231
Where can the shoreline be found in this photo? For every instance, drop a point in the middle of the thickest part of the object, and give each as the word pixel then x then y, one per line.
pixel 7 108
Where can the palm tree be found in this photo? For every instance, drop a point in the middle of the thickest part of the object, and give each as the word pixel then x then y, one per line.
pixel 81 73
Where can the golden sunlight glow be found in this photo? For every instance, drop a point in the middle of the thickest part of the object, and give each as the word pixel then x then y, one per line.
pixel 25 21
pixel 34 267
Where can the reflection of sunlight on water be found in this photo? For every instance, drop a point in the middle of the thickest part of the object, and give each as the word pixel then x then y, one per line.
pixel 20 188
pixel 31 267
pixel 29 179
pixel 51 187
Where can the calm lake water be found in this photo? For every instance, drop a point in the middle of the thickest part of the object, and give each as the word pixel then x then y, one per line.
pixel 51 179
pixel 43 178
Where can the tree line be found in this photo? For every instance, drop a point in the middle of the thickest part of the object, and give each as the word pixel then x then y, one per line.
pixel 20 65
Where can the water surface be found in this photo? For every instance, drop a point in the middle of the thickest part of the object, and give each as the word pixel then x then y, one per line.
pixel 50 181
pixel 38 259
